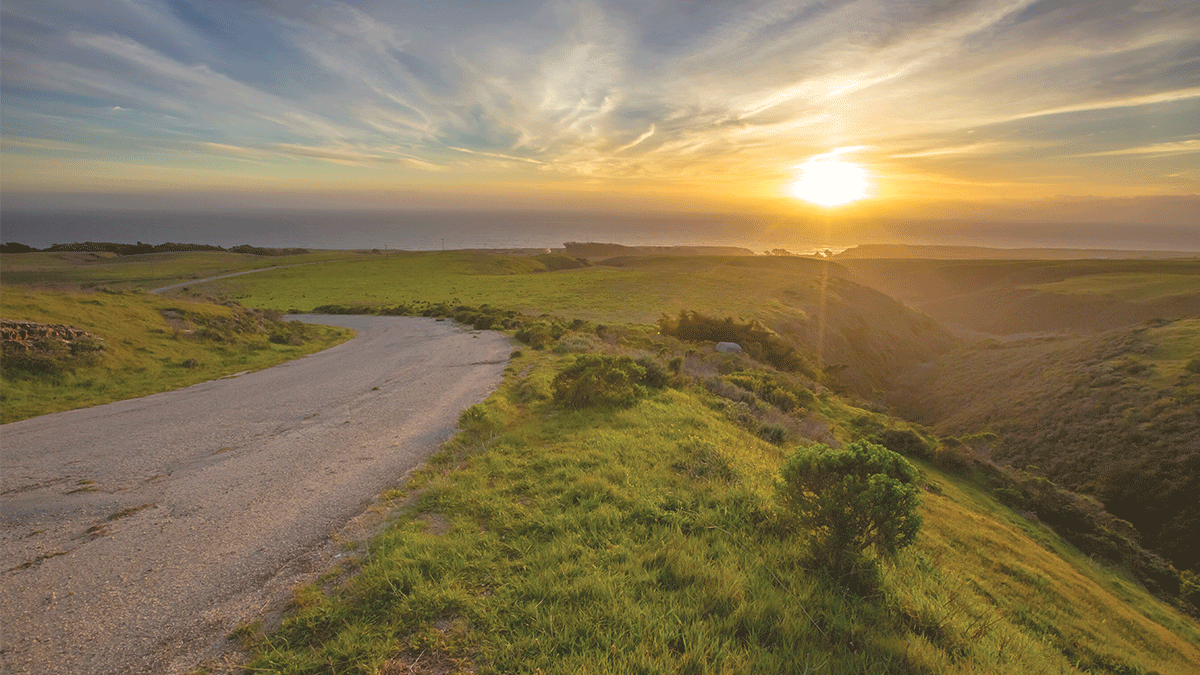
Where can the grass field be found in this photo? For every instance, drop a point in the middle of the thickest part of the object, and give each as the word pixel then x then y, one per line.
pixel 140 272
pixel 645 540
pixel 151 344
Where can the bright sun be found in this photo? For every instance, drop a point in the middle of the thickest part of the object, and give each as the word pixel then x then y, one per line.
pixel 830 182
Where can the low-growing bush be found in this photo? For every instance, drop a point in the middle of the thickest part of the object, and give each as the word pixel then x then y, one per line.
pixel 755 339
pixel 774 389
pixel 772 433
pixel 906 442
pixel 599 380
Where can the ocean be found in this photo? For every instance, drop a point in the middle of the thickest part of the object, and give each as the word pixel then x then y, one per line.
pixel 435 230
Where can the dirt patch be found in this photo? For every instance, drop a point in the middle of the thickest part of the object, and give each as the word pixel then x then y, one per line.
pixel 435 523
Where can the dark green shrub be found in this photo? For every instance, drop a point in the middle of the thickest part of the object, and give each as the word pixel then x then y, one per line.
pixel 655 376
pixel 905 442
pixel 597 380
pixel 772 433
pixel 539 335
pixel 1193 366
pixel 859 498
pixel 953 459
pixel 758 341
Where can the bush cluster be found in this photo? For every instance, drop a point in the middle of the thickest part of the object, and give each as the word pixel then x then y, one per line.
pixel 755 339
pixel 597 380
pixel 774 389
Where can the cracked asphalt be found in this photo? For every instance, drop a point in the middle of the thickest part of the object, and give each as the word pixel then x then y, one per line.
pixel 135 535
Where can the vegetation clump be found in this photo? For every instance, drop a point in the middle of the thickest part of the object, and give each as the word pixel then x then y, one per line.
pixel 753 337
pixel 774 389
pixel 597 380
pixel 854 500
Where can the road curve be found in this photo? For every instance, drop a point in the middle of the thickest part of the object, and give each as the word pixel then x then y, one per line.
pixel 133 534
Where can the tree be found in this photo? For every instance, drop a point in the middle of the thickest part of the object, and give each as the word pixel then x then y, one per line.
pixel 859 498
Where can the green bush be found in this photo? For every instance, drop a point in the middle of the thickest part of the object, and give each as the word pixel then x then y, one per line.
pixel 758 341
pixel 774 389
pixel 906 442
pixel 597 380
pixel 860 498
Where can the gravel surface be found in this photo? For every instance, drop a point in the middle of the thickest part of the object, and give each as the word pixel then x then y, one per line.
pixel 135 535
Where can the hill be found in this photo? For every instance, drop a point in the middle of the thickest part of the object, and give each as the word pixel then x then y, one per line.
pixel 1007 297
pixel 646 538
pixel 1114 414
pixel 936 252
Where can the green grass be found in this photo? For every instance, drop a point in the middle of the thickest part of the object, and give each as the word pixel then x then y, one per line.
pixel 644 540
pixel 144 351
pixel 140 272
pixel 1126 286
pixel 1093 412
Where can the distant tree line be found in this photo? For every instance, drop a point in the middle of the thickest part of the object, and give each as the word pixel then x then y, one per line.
pixel 140 248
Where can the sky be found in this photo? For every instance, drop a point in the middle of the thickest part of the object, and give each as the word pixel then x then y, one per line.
pixel 989 110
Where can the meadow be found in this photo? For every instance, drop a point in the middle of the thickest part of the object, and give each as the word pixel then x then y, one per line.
pixel 89 270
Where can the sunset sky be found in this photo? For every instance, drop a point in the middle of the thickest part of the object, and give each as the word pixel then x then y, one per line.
pixel 988 109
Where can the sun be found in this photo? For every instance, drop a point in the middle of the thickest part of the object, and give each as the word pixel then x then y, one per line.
pixel 830 182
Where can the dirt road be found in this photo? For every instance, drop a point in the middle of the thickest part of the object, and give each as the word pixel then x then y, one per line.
pixel 134 535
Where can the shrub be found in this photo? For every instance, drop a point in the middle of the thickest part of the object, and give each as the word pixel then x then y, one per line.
pixel 859 498
pixel 757 340
pixel 597 380
pixel 772 433
pixel 906 442
pixel 539 335
pixel 655 376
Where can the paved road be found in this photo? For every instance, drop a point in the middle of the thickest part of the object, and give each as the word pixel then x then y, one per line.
pixel 134 535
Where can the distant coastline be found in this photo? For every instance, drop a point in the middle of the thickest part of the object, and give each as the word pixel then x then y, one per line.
pixel 449 229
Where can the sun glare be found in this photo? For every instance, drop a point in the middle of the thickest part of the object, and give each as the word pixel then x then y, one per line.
pixel 830 182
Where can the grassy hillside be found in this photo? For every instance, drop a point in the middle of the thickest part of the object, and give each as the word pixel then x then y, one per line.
pixel 1115 414
pixel 150 344
pixel 647 539
pixel 1006 297
pixel 862 336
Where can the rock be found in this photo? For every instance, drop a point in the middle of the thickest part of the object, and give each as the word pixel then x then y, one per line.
pixel 728 347
pixel 30 336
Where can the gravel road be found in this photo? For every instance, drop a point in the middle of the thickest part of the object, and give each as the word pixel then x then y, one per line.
pixel 135 535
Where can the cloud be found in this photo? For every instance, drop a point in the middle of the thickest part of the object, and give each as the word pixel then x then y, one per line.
pixel 692 93
pixel 1189 146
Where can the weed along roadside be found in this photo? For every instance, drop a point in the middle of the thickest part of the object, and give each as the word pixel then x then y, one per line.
pixel 138 534
pixel 620 504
